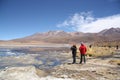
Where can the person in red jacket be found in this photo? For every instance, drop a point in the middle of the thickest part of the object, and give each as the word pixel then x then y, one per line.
pixel 82 50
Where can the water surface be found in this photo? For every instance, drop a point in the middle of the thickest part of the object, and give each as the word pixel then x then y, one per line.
pixel 24 57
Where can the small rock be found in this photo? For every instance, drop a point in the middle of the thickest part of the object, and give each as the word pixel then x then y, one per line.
pixel 64 76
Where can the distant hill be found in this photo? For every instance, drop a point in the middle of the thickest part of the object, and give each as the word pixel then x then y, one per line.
pixel 111 34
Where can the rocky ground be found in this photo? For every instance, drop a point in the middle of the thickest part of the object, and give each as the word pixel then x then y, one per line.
pixel 94 69
pixel 99 68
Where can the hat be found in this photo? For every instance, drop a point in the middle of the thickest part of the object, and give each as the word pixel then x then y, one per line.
pixel 82 43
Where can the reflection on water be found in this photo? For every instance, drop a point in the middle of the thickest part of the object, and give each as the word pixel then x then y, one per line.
pixel 49 60
pixel 42 60
pixel 7 52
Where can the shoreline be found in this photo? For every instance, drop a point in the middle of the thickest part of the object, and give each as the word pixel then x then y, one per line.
pixel 96 68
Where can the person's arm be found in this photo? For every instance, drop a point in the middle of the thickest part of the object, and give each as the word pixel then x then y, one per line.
pixel 75 48
pixel 71 48
pixel 80 49
pixel 85 49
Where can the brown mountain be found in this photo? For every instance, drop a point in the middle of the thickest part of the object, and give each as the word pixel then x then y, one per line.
pixel 68 37
pixel 111 31
pixel 111 34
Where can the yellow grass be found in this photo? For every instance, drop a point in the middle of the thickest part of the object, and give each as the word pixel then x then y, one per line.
pixel 115 62
pixel 98 51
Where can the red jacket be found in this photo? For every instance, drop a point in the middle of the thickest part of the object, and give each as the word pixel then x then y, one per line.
pixel 83 49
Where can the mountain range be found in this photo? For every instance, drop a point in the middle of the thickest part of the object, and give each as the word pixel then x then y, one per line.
pixel 112 34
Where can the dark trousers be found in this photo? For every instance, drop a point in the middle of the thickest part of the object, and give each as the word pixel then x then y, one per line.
pixel 74 57
pixel 82 56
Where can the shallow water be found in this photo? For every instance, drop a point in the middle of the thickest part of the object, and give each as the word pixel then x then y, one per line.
pixel 8 52
pixel 42 60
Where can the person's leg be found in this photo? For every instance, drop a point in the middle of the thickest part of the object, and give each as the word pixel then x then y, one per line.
pixel 74 57
pixel 84 59
pixel 81 59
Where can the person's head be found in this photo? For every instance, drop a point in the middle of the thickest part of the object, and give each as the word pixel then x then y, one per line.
pixel 74 45
pixel 82 43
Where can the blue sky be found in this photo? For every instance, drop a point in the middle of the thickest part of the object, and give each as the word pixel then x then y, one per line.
pixel 20 18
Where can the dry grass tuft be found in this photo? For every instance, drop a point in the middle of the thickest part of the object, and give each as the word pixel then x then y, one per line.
pixel 115 62
pixel 98 51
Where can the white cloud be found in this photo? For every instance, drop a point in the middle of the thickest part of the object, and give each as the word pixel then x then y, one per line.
pixel 85 22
